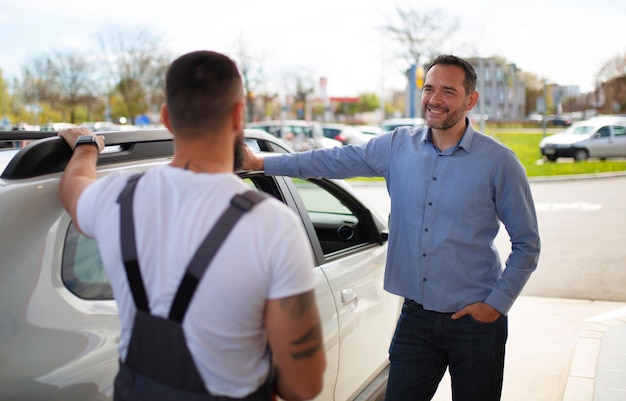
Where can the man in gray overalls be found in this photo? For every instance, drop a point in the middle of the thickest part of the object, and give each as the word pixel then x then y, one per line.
pixel 214 282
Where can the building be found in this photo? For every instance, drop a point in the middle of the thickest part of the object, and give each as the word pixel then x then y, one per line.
pixel 502 90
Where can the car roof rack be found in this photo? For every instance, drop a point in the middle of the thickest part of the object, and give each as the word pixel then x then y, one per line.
pixel 49 153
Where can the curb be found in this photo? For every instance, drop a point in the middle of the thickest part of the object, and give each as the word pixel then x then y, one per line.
pixel 598 369
pixel 574 177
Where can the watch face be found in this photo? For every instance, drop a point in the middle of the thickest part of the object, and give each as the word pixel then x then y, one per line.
pixel 86 139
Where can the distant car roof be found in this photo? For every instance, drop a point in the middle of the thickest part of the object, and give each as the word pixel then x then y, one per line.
pixel 280 122
pixel 392 123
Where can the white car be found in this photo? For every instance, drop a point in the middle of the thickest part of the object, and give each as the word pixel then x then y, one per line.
pixel 59 327
pixel 370 129
pixel 392 123
pixel 344 133
pixel 601 137
pixel 299 135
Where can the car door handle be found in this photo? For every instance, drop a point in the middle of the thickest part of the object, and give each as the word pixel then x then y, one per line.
pixel 349 299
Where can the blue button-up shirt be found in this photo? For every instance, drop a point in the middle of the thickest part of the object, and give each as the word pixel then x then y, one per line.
pixel 446 209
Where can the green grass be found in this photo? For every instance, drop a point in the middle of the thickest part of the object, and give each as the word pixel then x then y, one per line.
pixel 526 146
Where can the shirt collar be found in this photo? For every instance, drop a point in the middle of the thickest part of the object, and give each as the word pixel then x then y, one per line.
pixel 465 142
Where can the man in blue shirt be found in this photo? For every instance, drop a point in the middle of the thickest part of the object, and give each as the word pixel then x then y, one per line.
pixel 450 188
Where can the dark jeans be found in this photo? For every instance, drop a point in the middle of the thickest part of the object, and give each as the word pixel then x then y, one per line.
pixel 426 342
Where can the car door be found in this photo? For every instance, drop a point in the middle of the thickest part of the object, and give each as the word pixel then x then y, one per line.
pixel 600 143
pixel 352 255
pixel 619 141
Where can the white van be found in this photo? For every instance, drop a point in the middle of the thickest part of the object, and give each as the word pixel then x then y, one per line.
pixel 602 137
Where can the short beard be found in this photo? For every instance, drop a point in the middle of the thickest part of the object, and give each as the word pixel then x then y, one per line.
pixel 451 120
pixel 238 151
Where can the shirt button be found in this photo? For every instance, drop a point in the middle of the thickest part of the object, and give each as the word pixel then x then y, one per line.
pixel 424 255
pixel 424 279
pixel 434 178
pixel 430 203
pixel 426 229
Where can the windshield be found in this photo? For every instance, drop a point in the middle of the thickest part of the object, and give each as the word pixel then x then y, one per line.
pixel 580 129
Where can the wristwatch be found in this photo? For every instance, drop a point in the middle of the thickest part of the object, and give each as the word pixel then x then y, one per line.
pixel 87 140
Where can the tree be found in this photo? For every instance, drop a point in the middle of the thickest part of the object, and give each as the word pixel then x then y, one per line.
pixel 298 85
pixel 136 66
pixel 73 77
pixel 421 35
pixel 5 102
pixel 251 74
pixel 54 84
pixel 613 76
pixel 534 91
pixel 613 68
pixel 368 102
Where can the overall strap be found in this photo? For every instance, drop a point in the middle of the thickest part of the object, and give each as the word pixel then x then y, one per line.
pixel 129 247
pixel 239 205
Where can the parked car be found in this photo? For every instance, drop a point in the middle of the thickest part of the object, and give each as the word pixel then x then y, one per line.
pixel 59 327
pixel 601 137
pixel 344 133
pixel 559 121
pixel 393 123
pixel 299 135
pixel 101 126
pixel 56 126
pixel 370 129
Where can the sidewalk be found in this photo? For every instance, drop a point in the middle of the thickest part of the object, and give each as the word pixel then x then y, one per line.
pixel 562 350
pixel 598 370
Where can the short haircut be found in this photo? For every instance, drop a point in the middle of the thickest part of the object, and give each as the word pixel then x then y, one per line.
pixel 201 88
pixel 470 72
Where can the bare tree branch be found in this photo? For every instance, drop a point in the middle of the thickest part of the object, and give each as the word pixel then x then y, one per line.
pixel 422 35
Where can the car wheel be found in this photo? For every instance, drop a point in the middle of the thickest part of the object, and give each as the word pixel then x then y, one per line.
pixel 580 155
pixel 551 158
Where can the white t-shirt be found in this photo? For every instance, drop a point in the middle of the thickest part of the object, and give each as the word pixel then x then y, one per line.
pixel 266 256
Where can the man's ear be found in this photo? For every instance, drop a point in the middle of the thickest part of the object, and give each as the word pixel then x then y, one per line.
pixel 238 116
pixel 472 101
pixel 165 117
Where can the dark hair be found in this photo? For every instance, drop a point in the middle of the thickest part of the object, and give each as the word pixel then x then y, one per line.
pixel 201 87
pixel 470 72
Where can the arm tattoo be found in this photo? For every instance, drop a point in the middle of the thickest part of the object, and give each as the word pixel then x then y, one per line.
pixel 297 304
pixel 311 340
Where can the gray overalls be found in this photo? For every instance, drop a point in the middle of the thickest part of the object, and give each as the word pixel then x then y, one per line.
pixel 158 364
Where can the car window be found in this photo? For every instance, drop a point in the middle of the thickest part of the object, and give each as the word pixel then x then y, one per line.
pixel 339 225
pixel 331 132
pixel 619 130
pixel 253 145
pixel 579 129
pixel 299 130
pixel 604 132
pixel 82 270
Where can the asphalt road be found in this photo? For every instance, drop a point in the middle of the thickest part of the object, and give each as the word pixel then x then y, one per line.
pixel 583 230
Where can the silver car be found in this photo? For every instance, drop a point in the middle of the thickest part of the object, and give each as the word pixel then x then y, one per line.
pixel 299 135
pixel 58 321
pixel 602 137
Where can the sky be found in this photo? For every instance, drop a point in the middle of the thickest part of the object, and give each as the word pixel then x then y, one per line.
pixel 565 42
